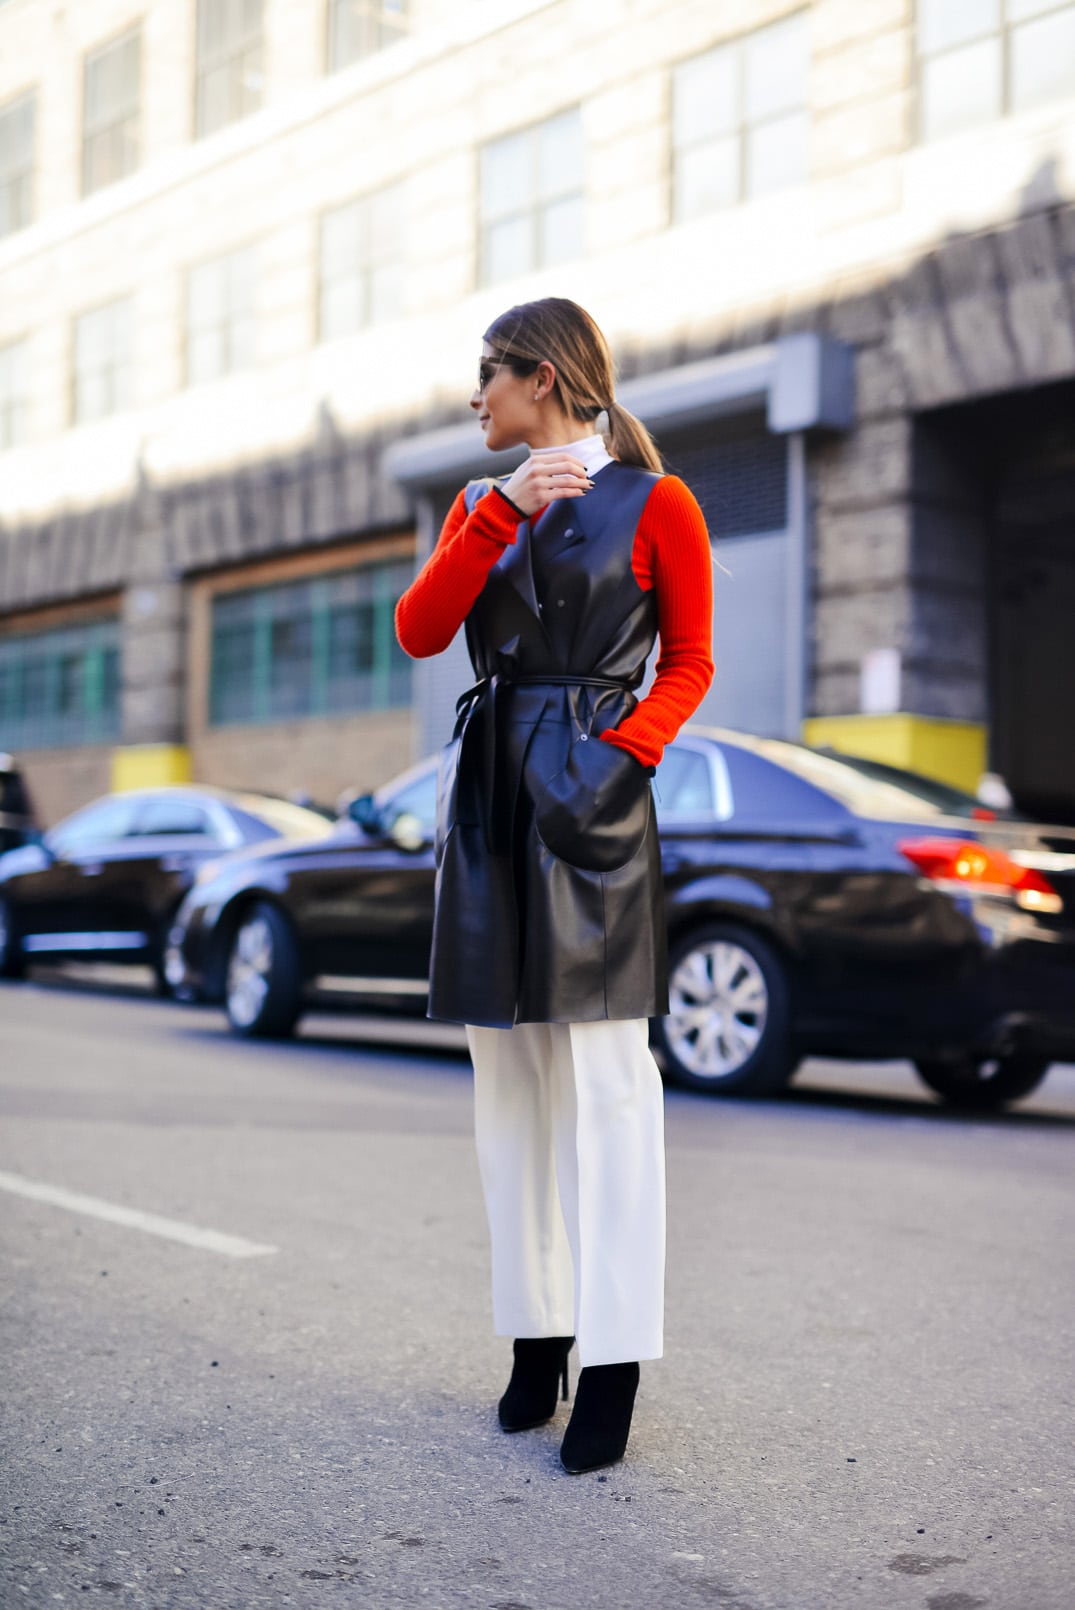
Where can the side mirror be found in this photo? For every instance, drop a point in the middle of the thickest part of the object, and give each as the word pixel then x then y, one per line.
pixel 363 811
pixel 407 832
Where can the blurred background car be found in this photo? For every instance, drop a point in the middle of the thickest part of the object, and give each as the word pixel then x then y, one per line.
pixel 813 908
pixel 17 820
pixel 104 884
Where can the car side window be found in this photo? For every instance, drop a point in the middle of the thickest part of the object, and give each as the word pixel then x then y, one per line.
pixel 684 785
pixel 101 823
pixel 171 818
pixel 418 798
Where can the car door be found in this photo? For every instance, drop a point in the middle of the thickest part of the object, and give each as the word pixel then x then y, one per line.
pixel 63 903
pixel 367 903
pixel 170 837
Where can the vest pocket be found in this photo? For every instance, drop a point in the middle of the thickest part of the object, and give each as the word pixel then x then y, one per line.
pixel 594 814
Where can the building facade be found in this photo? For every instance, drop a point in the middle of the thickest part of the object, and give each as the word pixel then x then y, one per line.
pixel 247 251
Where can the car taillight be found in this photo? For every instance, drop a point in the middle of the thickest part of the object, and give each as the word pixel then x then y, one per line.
pixel 964 866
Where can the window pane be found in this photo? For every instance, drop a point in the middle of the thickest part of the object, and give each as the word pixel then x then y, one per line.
pixel 562 227
pixel 707 178
pixel 684 784
pixel 386 292
pixel 309 647
pixel 961 88
pixel 506 179
pixel 100 823
pixel 509 249
pixel 777 154
pixel 942 23
pixel 170 816
pixel 342 239
pixel 60 686
pixel 1043 60
pixel 343 307
pixel 706 96
pixel 777 63
pixel 559 154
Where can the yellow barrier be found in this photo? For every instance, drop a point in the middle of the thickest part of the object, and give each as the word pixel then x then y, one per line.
pixel 953 752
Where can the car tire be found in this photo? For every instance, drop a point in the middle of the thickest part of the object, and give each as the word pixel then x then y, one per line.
pixel 263 985
pixel 12 959
pixel 728 1028
pixel 982 1084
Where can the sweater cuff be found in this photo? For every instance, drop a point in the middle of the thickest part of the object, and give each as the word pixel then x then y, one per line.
pixel 513 506
pixel 642 752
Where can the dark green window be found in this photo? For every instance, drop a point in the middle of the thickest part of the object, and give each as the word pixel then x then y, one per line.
pixel 310 648
pixel 60 687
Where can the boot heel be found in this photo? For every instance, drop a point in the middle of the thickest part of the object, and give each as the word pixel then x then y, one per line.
pixel 564 1379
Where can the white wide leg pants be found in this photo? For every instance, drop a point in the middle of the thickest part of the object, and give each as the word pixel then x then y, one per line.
pixel 569 1119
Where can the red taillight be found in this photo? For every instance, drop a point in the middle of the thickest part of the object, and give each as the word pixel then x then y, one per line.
pixel 965 865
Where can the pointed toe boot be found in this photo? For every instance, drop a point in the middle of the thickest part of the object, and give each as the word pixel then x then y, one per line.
pixel 600 1421
pixel 538 1374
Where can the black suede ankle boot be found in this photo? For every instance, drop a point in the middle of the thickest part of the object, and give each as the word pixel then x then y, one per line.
pixel 539 1369
pixel 600 1422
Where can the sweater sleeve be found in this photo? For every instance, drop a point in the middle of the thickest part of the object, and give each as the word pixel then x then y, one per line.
pixel 672 554
pixel 440 597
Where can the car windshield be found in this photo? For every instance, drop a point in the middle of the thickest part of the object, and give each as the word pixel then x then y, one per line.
pixel 870 788
pixel 291 821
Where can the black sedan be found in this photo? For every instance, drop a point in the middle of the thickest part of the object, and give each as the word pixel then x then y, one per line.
pixel 104 884
pixel 17 823
pixel 813 909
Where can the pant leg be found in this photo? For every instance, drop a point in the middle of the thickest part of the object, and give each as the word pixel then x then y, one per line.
pixel 609 1141
pixel 513 1094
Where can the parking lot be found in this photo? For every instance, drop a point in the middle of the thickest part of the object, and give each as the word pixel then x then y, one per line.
pixel 266 1377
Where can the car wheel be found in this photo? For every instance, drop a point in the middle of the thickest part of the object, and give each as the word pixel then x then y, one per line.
pixel 982 1084
pixel 12 960
pixel 263 988
pixel 727 1029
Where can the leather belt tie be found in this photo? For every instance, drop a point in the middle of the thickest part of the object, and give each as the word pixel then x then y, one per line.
pixel 481 700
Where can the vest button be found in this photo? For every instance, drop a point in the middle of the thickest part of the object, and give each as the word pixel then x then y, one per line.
pixel 569 532
pixel 560 603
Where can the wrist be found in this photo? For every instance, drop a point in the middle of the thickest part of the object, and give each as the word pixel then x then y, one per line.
pixel 510 501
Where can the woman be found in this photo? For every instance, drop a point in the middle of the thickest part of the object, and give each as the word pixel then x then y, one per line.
pixel 549 939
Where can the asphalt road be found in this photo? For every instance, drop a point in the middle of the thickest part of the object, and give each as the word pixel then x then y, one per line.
pixel 866 1401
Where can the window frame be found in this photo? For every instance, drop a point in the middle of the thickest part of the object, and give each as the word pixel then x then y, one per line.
pixel 206 62
pixel 1005 31
pixel 743 126
pixel 394 192
pixel 537 203
pixel 369 8
pixel 92 58
pixel 24 176
pixel 15 406
pixel 114 305
pixel 223 260
pixel 98 641
pixel 318 593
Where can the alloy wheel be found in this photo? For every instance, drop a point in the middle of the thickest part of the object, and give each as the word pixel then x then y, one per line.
pixel 249 972
pixel 718 1007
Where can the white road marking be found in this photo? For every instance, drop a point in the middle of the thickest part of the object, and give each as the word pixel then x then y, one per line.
pixel 230 1246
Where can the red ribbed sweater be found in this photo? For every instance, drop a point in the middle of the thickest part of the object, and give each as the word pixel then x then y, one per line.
pixel 671 553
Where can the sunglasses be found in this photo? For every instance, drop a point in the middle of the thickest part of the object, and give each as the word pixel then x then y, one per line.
pixel 488 367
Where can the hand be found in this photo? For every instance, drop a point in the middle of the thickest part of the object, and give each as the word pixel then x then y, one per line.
pixel 546 479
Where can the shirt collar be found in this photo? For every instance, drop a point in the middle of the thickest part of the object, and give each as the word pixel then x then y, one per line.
pixel 589 450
